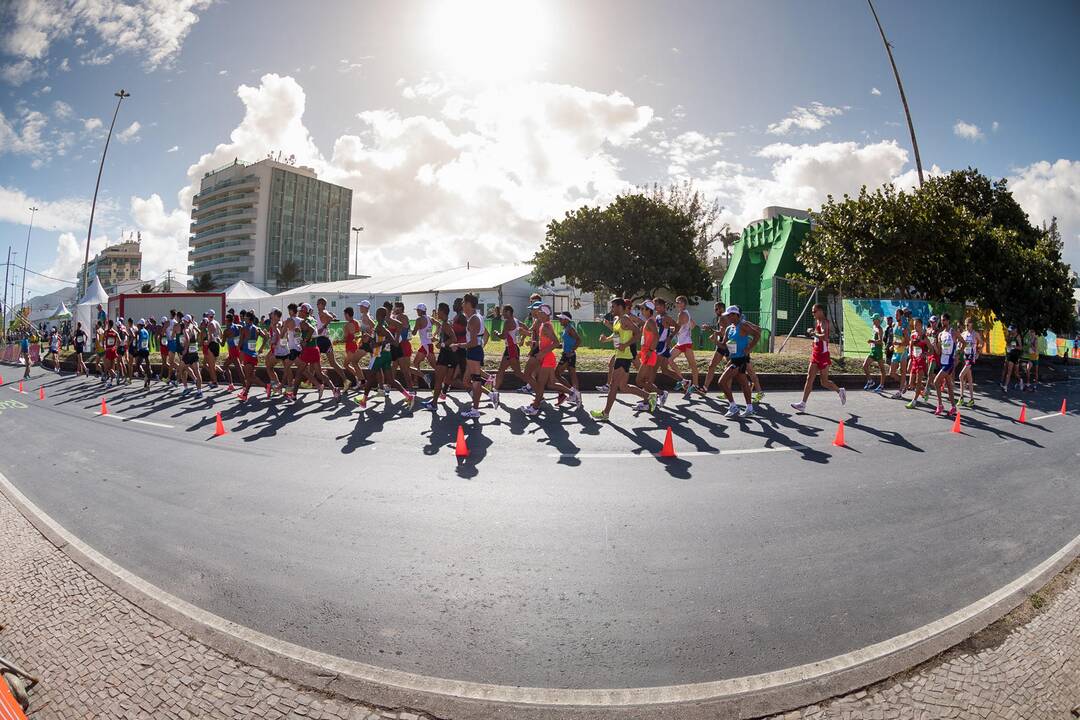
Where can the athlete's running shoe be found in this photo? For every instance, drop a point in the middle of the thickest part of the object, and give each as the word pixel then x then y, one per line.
pixel 410 401
pixel 652 402
pixel 867 384
pixel 575 396
pixel 641 406
pixel 527 389
pixel 662 400
pixel 879 389
pixel 442 396
pixel 337 394
pixel 798 406
pixel 843 396
pixel 599 415
pixel 530 410
pixel 230 388
pixel 494 398
pixel 680 385
pixel 427 380
pixel 757 397
pixel 732 411
pixel 689 390
pixel 603 388
pixel 952 411
pixel 212 386
pixel 939 411
pixel 911 405
pixel 361 401
pixel 470 413
pixel 429 405
pixel 561 399
pixel 747 411
pixel 198 393
pixel 897 395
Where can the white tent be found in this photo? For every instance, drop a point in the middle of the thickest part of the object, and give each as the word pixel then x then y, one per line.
pixel 86 310
pixel 62 313
pixel 241 290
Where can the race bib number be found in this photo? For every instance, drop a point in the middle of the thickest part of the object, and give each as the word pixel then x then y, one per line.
pixel 916 351
pixel 251 345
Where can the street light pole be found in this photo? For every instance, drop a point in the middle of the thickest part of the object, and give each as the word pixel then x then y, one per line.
pixel 93 205
pixel 26 255
pixel 903 97
pixel 356 262
pixel 7 266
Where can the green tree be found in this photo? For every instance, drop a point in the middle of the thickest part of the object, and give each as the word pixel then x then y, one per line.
pixel 288 275
pixel 147 288
pixel 632 248
pixel 704 214
pixel 203 283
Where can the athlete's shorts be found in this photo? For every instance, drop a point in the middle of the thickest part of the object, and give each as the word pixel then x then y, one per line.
pixel 548 360
pixel 684 347
pixel 143 354
pixel 447 358
pixel 476 354
pixel 121 350
pixel 382 361
pixel 741 363
pixel 648 358
pixel 666 352
pixel 282 354
pixel 110 354
pixel 324 344
pixel 351 347
pixel 722 351
pixel 367 347
pixel 174 346
pixel 633 350
pixel 534 349
pixel 214 348
pixel 568 359
pixel 78 348
pixel 918 365
pixel 822 360
pixel 622 364
pixel 293 355
pixel 969 362
pixel 234 352
pixel 425 350
pixel 1013 356
pixel 395 353
pixel 249 359
pixel 310 355
pixel 513 352
pixel 1033 360
pixel 888 355
pixel 460 356
pixel 876 352
pixel 948 368
pixel 406 348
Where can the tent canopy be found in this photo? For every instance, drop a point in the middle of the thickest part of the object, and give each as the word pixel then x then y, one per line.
pixel 241 290
pixel 86 309
pixel 62 313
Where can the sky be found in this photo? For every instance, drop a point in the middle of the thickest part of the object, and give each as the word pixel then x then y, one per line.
pixel 465 126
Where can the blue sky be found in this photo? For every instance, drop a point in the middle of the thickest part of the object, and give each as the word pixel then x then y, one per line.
pixel 464 126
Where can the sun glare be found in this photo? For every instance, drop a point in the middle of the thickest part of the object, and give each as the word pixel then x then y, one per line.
pixel 489 39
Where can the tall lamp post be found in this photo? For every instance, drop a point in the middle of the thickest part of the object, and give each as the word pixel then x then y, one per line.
pixel 26 257
pixel 356 261
pixel 121 94
pixel 903 97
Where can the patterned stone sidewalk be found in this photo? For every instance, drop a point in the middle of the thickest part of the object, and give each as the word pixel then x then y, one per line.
pixel 98 656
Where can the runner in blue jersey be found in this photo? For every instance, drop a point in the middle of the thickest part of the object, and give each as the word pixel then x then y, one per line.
pixel 739 337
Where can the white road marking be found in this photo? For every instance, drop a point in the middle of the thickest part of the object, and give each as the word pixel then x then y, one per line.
pixel 136 420
pixel 1043 417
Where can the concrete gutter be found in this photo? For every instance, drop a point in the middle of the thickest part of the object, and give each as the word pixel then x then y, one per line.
pixel 744 697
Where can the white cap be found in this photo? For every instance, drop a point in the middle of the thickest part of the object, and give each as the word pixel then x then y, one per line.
pixel 546 309
pixel 187 318
pixel 210 313
pixel 421 307
pixel 141 321
pixel 649 304
pixel 164 319
pixel 733 310
pixel 305 306
pixel 365 303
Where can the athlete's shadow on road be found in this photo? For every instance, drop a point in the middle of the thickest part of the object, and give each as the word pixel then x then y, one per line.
pixel 768 423
pixel 889 437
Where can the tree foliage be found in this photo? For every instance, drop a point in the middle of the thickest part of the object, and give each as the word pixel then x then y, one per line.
pixel 960 237
pixel 203 283
pixel 633 247
pixel 147 288
pixel 288 275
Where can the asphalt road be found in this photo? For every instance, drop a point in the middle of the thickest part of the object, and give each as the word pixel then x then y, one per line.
pixel 562 553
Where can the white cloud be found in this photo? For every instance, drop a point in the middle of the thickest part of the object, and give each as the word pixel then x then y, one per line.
pixel 130 133
pixel 222 72
pixel 874 91
pixel 173 149
pixel 17 73
pixel 43 90
pixel 814 117
pixel 56 215
pixel 994 126
pixel 164 235
pixel 91 124
pixel 64 66
pixel 967 131
pixel 25 135
pixel 1046 190
pixel 62 110
pixel 154 30
pixel 70 255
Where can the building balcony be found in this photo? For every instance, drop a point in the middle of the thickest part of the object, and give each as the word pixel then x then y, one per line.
pixel 229 261
pixel 247 213
pixel 223 231
pixel 244 183
pixel 247 198
pixel 211 249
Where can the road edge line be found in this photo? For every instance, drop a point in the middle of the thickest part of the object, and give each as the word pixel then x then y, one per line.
pixel 745 697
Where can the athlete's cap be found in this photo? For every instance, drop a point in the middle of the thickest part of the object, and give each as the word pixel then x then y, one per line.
pixel 565 316
pixel 421 307
pixel 876 316
pixel 1012 328
pixel 933 318
pixel 546 309
pixel 365 303
pixel 536 305
pixel 210 313
pixel 141 322
pixel 187 318
pixel 305 306
pixel 164 319
pixel 733 310
pixel 649 304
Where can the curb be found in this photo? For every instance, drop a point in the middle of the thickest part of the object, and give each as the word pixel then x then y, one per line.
pixel 744 697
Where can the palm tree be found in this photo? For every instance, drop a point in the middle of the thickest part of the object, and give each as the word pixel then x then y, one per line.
pixel 288 275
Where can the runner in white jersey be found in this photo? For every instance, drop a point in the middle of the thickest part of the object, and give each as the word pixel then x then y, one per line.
pixel 213 346
pixel 322 339
pixel 950 346
pixel 684 345
pixel 971 354
pixel 474 352
pixel 291 328
pixel 425 350
pixel 277 351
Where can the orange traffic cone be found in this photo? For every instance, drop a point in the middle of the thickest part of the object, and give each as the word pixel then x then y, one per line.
pixel 1 379
pixel 1063 411
pixel 956 423
pixel 219 427
pixel 669 445
pixel 461 449
pixel 1023 414
pixel 20 386
pixel 41 393
pixel 104 407
pixel 838 441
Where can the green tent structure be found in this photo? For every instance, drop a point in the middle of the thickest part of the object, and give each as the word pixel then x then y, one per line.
pixel 766 250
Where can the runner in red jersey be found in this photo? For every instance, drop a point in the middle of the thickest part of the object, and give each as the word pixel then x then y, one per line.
pixel 819 360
